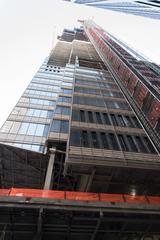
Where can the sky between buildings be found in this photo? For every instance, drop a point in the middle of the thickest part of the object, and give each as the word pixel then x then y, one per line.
pixel 29 28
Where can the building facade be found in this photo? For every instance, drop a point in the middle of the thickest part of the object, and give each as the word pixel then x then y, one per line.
pixel 87 122
pixel 149 9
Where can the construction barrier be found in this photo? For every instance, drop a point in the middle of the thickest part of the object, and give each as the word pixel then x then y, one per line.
pixel 79 196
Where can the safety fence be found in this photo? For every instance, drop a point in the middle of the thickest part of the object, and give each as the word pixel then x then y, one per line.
pixel 81 196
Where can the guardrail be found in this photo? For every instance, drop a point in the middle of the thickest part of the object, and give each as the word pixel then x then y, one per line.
pixel 79 196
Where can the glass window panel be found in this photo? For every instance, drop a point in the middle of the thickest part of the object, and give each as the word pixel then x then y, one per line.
pixel 149 145
pixel 43 113
pixel 95 142
pixel 39 130
pixel 75 137
pixel 64 126
pixel 67 91
pixel 23 128
pixel 65 99
pixel 98 117
pixel 55 127
pixel 30 112
pixel 123 142
pixel 75 115
pixel 128 121
pixel 113 141
pixel 46 129
pixel 121 121
pixel 104 140
pixel 49 114
pixel 35 147
pixel 114 120
pixel 132 144
pixel 106 119
pixel 140 144
pixel 62 110
pixel 82 116
pixel 67 84
pixel 6 126
pixel 90 116
pixel 31 129
pixel 136 122
pixel 15 127
pixel 84 139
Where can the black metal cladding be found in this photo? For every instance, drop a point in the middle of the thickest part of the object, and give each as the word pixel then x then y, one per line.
pixel 105 118
pixel 110 140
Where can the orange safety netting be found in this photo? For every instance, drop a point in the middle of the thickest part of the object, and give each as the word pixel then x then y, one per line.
pixel 82 196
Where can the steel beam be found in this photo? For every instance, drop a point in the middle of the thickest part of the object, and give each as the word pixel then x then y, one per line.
pixel 97 226
pixel 49 174
pixel 86 181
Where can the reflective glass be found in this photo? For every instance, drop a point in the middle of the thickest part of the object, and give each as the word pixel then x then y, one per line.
pixel 65 99
pixel 6 126
pixel 39 130
pixel 62 110
pixel 31 129
pixel 23 128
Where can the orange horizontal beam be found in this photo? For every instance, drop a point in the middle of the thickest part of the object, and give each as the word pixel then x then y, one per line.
pixel 83 196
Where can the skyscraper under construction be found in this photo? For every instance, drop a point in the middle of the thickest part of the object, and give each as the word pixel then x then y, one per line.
pixel 79 153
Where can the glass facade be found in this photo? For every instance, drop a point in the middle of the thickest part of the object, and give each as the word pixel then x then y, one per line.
pixel 29 122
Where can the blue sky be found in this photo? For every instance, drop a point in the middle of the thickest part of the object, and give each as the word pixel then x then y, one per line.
pixel 28 28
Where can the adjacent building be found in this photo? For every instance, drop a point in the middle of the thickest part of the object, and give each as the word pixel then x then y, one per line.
pixel 149 9
pixel 87 122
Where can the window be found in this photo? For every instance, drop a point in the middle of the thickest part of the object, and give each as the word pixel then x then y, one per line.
pixel 15 127
pixel 67 84
pixel 95 142
pixel 88 101
pixel 104 140
pixel 39 113
pixel 106 119
pixel 114 120
pixel 136 122
pixel 7 126
pixel 98 117
pixel 75 115
pixel 132 144
pixel 82 116
pixel 140 144
pixel 113 141
pixel 84 139
pixel 24 128
pixel 62 110
pixel 41 93
pixel 149 145
pixel 123 142
pixel 67 91
pixel 121 121
pixel 75 137
pixel 65 99
pixel 34 129
pixel 60 126
pixel 31 128
pixel 39 130
pixel 90 117
pixel 128 121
